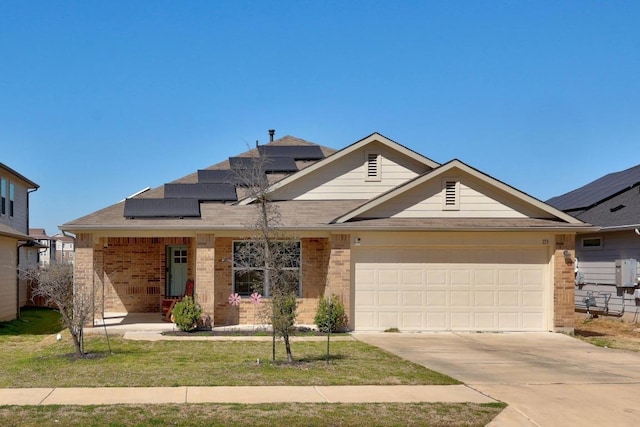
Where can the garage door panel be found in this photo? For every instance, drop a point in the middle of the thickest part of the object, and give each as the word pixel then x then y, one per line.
pixel 508 299
pixel 411 320
pixel 388 319
pixel 532 298
pixel 388 299
pixel 496 289
pixel 461 321
pixel 485 321
pixel 460 277
pixel 484 299
pixel 412 298
pixel 436 299
pixel 509 321
pixel 460 299
pixel 436 277
pixel 509 277
pixel 389 277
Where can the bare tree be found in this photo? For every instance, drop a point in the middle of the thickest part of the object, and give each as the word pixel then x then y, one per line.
pixel 269 261
pixel 54 284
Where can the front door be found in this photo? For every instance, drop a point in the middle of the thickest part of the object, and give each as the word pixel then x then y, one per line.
pixel 176 270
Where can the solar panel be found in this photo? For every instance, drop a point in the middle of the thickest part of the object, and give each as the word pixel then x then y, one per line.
pixel 154 208
pixel 217 176
pixel 271 164
pixel 597 190
pixel 201 191
pixel 296 152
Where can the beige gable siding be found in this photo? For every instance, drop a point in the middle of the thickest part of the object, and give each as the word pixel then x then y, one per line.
pixel 476 200
pixel 19 220
pixel 345 178
pixel 7 278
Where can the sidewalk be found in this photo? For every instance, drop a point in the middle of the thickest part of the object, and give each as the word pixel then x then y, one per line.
pixel 249 395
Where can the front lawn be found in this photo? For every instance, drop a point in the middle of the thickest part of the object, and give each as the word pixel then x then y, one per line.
pixel 41 361
pixel 299 414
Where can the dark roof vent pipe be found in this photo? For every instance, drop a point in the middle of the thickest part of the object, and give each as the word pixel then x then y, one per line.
pixel 272 132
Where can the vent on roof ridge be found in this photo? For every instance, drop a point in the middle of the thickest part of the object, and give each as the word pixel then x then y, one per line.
pixel 617 208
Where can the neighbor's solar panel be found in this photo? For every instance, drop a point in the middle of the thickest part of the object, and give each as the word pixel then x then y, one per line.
pixel 201 191
pixel 297 152
pixel 598 190
pixel 271 164
pixel 152 208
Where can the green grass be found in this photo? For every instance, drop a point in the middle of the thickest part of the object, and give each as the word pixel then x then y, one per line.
pixel 307 414
pixel 32 357
pixel 41 361
pixel 33 321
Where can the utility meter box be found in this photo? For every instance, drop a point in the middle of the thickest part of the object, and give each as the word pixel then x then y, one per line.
pixel 626 273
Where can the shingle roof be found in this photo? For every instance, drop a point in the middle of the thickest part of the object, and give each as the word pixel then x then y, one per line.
pixel 5 230
pixel 620 210
pixel 597 191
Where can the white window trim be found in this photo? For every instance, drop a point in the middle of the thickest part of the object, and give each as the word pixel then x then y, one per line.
pixel 592 248
pixel 450 193
pixel 368 167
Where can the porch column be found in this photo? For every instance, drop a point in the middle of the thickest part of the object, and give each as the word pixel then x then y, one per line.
pixel 564 284
pixel 339 272
pixel 84 271
pixel 204 272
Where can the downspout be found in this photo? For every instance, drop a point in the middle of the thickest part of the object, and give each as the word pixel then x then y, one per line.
pixel 29 243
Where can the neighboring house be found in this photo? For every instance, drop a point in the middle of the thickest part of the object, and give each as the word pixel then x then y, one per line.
pixel 64 248
pixel 47 253
pixel 403 241
pixel 611 202
pixel 16 247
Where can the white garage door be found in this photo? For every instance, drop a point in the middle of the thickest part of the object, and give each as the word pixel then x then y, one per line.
pixel 459 289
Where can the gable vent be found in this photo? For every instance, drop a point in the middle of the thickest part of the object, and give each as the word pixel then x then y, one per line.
pixel 451 196
pixel 372 172
pixel 450 193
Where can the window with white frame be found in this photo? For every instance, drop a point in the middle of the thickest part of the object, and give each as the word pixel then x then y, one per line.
pixel 591 243
pixel 249 267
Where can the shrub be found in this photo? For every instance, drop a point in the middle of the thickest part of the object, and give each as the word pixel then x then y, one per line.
pixel 186 314
pixel 330 315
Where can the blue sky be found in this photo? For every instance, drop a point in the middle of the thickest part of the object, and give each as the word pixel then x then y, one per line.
pixel 101 99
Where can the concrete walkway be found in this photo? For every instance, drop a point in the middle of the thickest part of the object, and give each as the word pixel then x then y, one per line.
pixel 266 394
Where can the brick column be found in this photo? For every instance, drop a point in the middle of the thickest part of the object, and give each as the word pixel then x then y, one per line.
pixel 564 284
pixel 339 271
pixel 83 269
pixel 204 273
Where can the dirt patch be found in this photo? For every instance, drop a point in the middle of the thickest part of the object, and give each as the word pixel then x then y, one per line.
pixel 607 332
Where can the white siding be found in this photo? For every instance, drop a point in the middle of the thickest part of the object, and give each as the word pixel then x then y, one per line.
pixel 7 278
pixel 477 200
pixel 596 269
pixel 345 178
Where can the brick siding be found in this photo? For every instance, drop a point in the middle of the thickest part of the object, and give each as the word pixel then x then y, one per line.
pixel 564 283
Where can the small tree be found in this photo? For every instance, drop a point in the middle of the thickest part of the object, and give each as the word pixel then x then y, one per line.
pixel 54 284
pixel 330 316
pixel 270 258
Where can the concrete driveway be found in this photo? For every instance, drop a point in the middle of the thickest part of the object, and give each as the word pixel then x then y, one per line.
pixel 547 379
